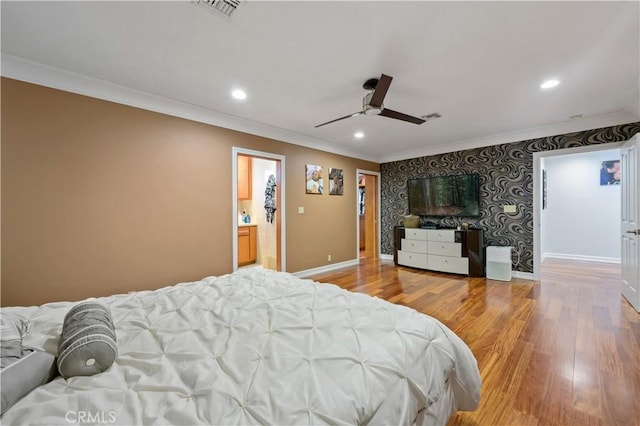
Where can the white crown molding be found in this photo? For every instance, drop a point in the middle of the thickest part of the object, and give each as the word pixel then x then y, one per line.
pixel 37 73
pixel 596 122
pixel 23 69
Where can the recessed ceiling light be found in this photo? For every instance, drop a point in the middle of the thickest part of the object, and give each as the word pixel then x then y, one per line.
pixel 359 135
pixel 239 94
pixel 549 84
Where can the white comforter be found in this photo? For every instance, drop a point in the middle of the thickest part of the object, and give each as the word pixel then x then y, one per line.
pixel 258 347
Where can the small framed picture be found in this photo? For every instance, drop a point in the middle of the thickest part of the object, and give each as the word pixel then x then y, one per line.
pixel 610 172
pixel 314 180
pixel 336 182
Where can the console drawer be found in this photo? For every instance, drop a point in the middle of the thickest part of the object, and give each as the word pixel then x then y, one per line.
pixel 444 249
pixel 445 235
pixel 415 260
pixel 416 246
pixel 415 234
pixel 455 265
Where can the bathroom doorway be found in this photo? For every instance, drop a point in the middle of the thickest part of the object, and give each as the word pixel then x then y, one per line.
pixel 258 209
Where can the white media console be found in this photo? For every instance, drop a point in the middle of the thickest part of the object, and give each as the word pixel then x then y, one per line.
pixel 444 250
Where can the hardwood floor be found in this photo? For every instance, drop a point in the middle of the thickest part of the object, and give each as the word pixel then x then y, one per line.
pixel 564 350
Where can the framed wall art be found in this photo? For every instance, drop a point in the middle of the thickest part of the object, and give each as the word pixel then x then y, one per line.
pixel 610 172
pixel 314 180
pixel 336 182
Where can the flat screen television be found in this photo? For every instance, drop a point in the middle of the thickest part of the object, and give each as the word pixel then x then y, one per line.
pixel 441 196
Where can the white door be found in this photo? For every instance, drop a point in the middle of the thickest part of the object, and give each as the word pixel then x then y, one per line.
pixel 629 163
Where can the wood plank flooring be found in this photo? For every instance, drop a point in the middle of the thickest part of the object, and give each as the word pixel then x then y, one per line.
pixel 564 350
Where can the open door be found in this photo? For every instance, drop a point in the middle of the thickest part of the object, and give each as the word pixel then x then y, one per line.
pixel 368 214
pixel 371 217
pixel 630 221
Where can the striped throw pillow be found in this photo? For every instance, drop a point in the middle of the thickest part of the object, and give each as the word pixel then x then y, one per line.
pixel 88 342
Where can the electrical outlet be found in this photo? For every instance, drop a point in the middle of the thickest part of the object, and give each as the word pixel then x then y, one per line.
pixel 509 208
pixel 328 258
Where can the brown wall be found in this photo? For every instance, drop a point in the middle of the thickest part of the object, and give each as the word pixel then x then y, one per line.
pixel 100 198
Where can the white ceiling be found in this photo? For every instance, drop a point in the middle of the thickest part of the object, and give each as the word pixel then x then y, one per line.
pixel 302 63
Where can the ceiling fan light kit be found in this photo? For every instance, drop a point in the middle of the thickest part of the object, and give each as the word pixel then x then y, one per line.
pixel 369 109
pixel 372 102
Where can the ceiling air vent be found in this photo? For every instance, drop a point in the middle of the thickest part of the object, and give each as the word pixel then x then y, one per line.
pixel 226 8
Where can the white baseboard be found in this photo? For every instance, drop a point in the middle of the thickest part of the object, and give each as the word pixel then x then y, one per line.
pixel 581 257
pixel 522 275
pixel 326 268
pixel 355 262
pixel 514 274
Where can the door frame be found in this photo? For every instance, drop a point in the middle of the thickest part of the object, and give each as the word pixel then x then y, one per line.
pixel 630 221
pixel 537 191
pixel 377 212
pixel 280 213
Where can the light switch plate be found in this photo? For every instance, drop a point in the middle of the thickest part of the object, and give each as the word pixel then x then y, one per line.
pixel 300 210
pixel 509 208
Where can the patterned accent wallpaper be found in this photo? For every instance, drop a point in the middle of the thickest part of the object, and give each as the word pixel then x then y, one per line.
pixel 506 177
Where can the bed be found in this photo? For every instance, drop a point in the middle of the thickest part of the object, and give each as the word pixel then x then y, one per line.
pixel 256 347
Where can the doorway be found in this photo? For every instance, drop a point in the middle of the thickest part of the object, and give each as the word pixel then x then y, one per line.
pixel 368 214
pixel 258 204
pixel 546 217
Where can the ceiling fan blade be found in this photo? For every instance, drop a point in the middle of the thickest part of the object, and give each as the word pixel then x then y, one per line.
pixel 380 91
pixel 341 118
pixel 400 116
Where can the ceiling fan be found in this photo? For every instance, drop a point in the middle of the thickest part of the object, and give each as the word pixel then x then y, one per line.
pixel 372 102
